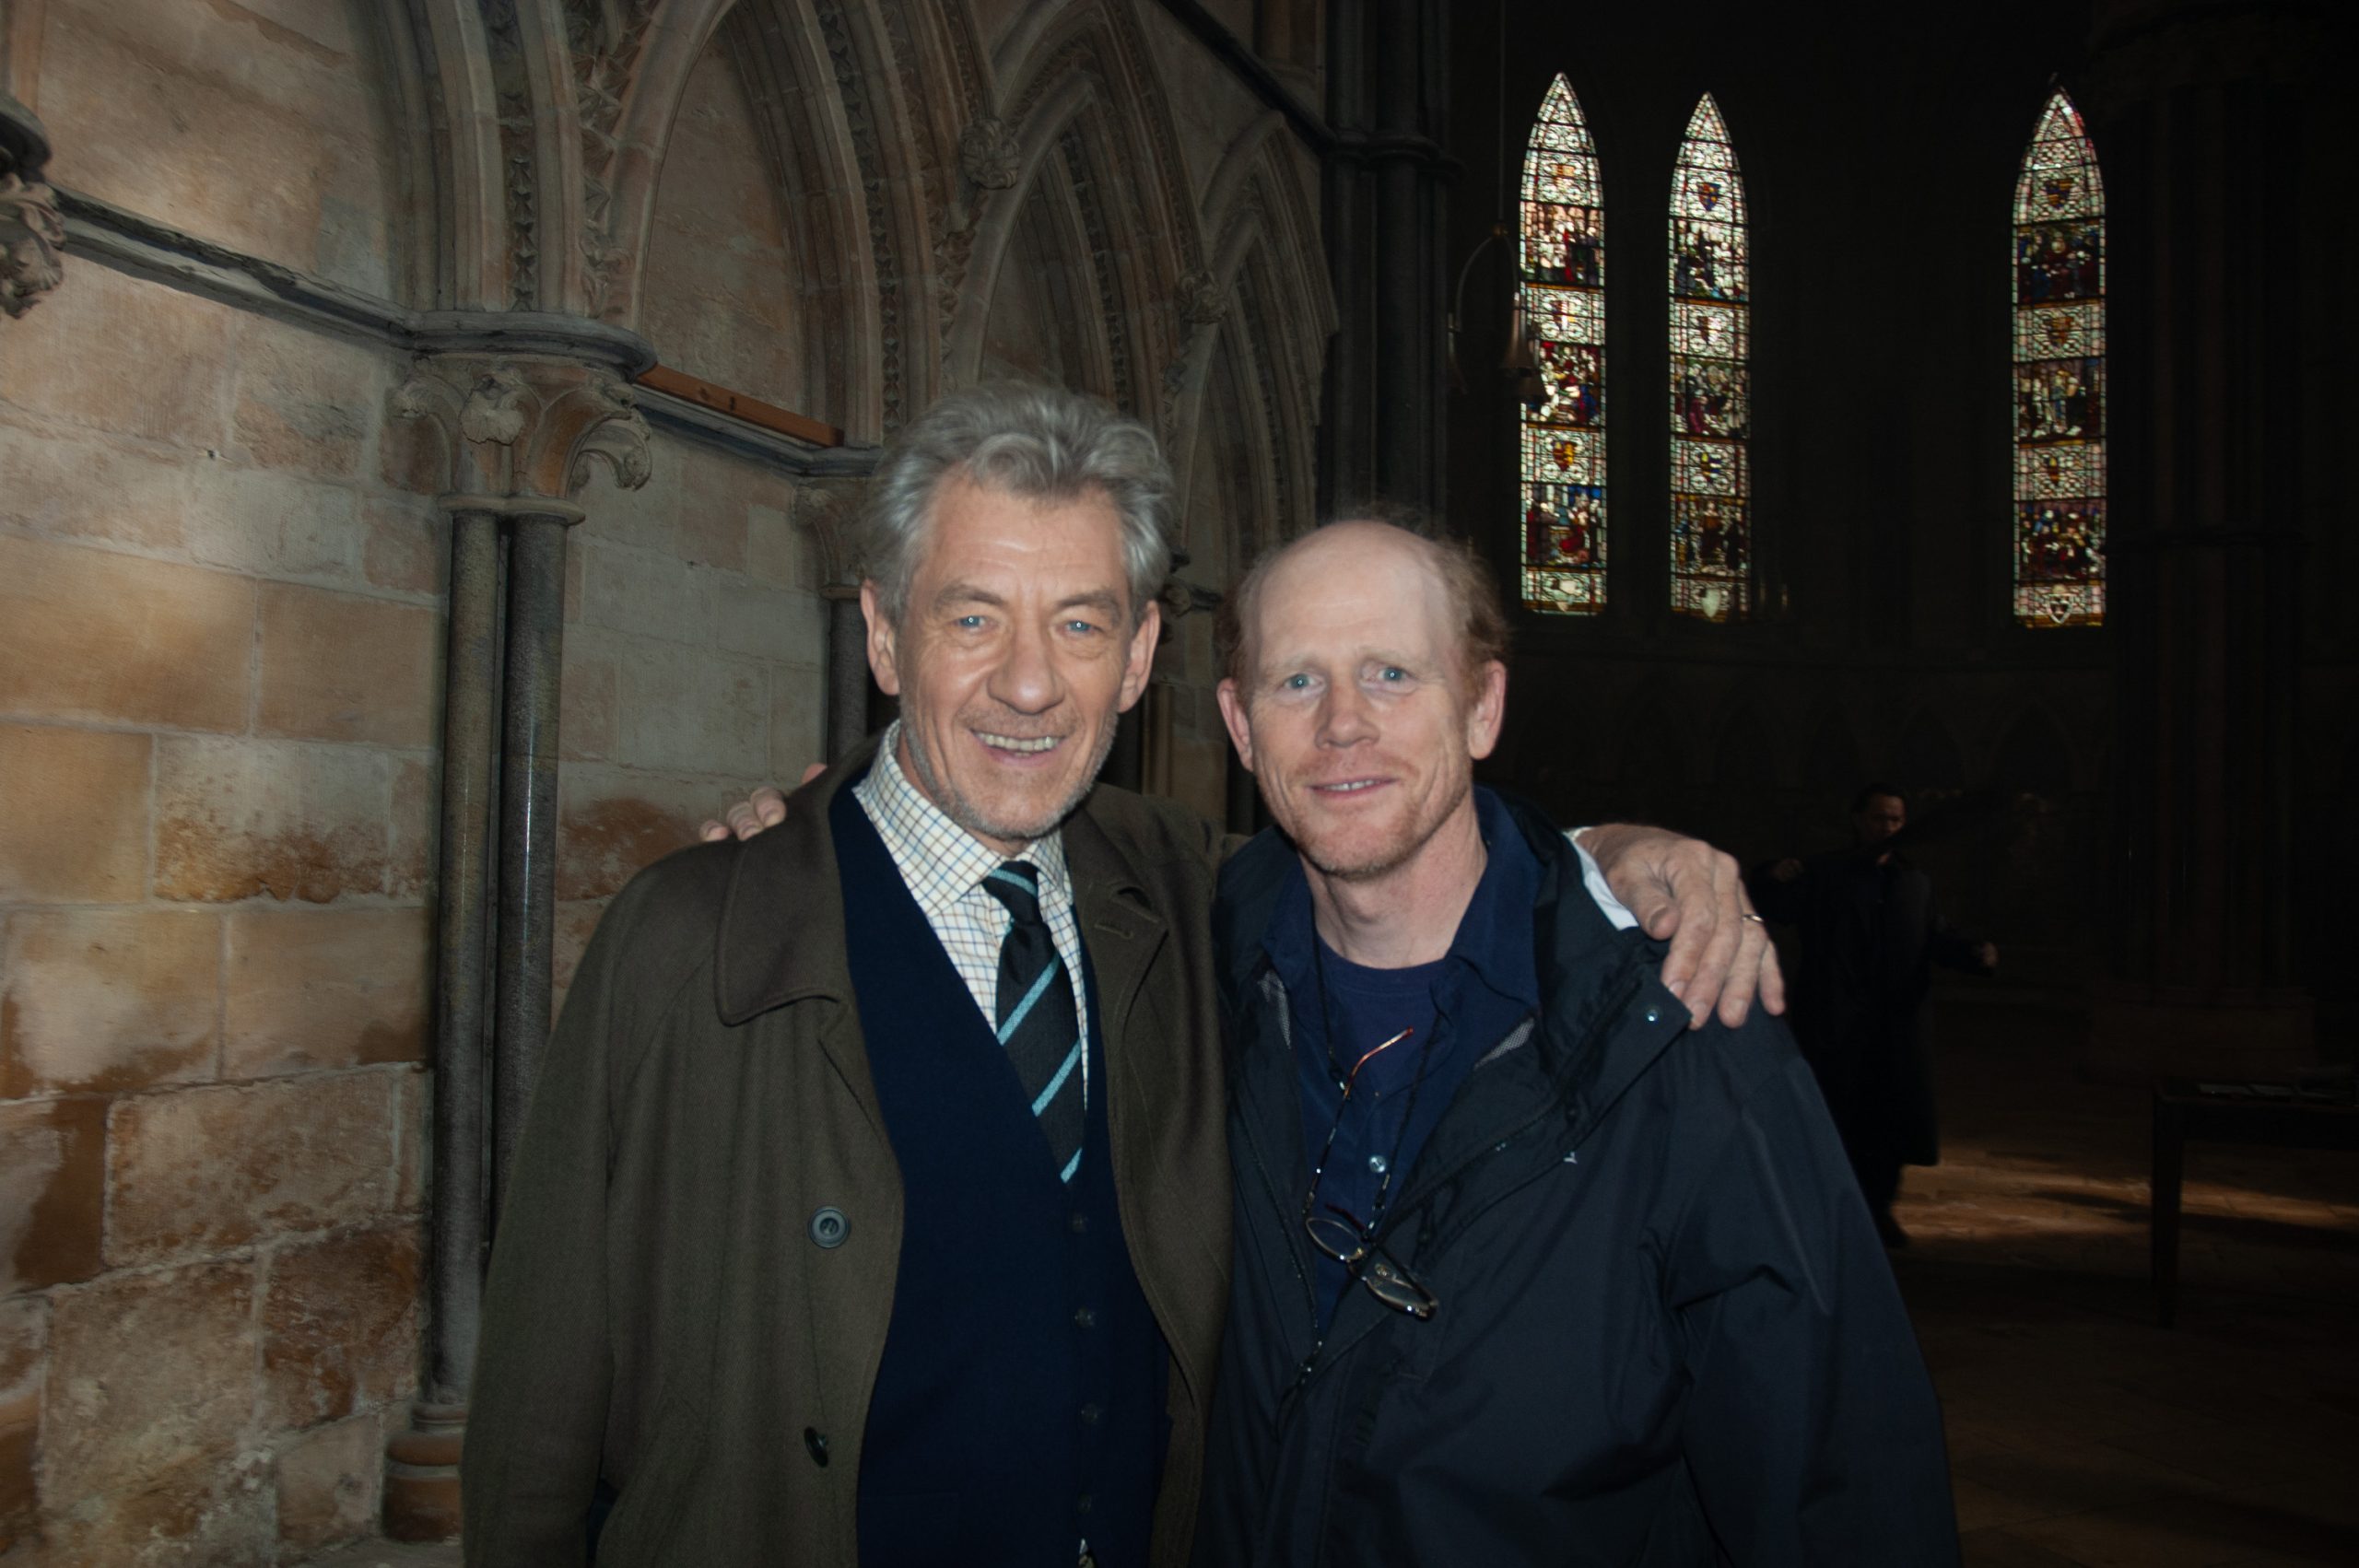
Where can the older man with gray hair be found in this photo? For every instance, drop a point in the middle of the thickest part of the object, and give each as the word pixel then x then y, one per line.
pixel 874 1205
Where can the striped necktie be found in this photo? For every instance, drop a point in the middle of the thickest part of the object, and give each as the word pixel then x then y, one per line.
pixel 1039 1027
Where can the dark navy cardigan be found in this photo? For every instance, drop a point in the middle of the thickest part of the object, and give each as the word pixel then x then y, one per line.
pixel 1019 1409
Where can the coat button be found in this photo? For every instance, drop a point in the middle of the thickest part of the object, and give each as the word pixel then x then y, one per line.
pixel 1654 1015
pixel 816 1441
pixel 828 1227
pixel 1089 1414
pixel 1084 1318
pixel 1078 1222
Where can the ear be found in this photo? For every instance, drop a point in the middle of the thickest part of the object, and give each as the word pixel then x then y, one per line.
pixel 1138 660
pixel 1240 727
pixel 881 644
pixel 1489 710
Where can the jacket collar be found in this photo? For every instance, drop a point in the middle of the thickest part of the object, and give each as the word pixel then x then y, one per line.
pixel 1583 963
pixel 775 945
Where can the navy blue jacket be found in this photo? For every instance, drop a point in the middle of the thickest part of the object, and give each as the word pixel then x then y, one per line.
pixel 1666 1331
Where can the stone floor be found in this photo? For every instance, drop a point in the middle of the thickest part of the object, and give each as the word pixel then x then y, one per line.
pixel 2080 1433
pixel 2082 1436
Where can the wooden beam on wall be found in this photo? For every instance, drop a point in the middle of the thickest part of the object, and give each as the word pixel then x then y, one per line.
pixel 739 405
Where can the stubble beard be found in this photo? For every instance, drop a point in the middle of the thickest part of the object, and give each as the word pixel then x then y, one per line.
pixel 1392 856
pixel 971 816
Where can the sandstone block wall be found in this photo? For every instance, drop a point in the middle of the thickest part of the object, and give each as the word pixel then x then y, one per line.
pixel 221 641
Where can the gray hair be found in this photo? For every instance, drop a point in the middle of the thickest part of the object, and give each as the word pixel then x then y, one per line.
pixel 1039 442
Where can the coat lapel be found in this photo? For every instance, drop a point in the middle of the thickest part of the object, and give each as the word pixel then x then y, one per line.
pixel 778 945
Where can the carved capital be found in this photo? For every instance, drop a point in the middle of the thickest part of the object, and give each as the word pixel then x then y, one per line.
pixel 829 510
pixel 989 155
pixel 520 428
pixel 31 236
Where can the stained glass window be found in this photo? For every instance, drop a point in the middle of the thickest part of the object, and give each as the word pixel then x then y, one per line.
pixel 1711 398
pixel 1561 260
pixel 2059 375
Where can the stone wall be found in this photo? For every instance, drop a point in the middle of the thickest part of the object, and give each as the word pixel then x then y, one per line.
pixel 220 641
pixel 223 579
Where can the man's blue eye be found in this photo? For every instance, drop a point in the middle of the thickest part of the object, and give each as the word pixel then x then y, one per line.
pixel 1081 626
pixel 1393 672
pixel 970 622
pixel 1295 682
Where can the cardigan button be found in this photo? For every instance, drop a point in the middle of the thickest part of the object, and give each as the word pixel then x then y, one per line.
pixel 828 1227
pixel 816 1441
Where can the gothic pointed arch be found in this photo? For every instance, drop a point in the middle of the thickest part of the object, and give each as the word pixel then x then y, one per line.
pixel 1083 107
pixel 1711 400
pixel 2059 526
pixel 1261 310
pixel 1561 326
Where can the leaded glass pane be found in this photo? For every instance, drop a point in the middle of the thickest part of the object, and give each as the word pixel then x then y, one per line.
pixel 1711 401
pixel 2059 381
pixel 1561 259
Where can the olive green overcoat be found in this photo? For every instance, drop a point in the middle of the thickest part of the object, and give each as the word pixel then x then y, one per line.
pixel 665 1312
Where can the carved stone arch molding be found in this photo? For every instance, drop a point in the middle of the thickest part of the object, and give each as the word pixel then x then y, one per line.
pixel 1265 293
pixel 1079 100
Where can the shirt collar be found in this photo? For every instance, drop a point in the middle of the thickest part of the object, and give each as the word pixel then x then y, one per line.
pixel 941 862
pixel 1494 937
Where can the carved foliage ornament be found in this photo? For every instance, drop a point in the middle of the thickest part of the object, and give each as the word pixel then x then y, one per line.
pixel 526 429
pixel 989 155
pixel 31 235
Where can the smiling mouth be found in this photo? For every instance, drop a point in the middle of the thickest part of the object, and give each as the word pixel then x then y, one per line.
pixel 1028 743
pixel 1349 786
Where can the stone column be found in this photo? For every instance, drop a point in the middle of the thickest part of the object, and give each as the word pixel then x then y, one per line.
pixel 847 672
pixel 2201 117
pixel 1382 430
pixel 518 432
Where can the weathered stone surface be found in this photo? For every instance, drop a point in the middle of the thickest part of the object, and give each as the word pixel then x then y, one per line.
pixel 344 667
pixel 275 524
pixel 728 309
pixel 774 623
pixel 586 718
pixel 235 818
pixel 692 709
pixel 151 1383
pixel 612 821
pixel 303 399
pixel 339 1326
pixel 329 1481
pixel 206 1169
pixel 79 358
pixel 798 722
pixel 88 634
pixel 107 999
pixel 74 828
pixel 414 1137
pixel 70 488
pixel 404 548
pixel 53 1192
pixel 256 127
pixel 416 828
pixel 778 550
pixel 645 594
pixel 24 1359
pixel 309 989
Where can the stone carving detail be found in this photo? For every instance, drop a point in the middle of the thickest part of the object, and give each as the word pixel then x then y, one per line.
pixel 860 117
pixel 31 235
pixel 511 85
pixel 1202 302
pixel 1099 238
pixel 523 429
pixel 602 68
pixel 989 155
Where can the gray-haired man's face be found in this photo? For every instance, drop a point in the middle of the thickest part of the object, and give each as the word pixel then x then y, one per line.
pixel 1014 658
